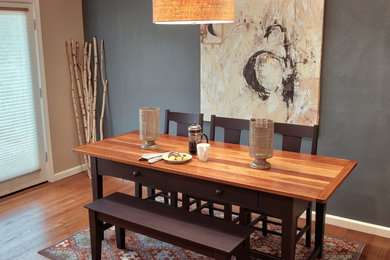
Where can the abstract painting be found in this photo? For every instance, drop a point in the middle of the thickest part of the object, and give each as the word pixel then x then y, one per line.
pixel 266 64
pixel 211 34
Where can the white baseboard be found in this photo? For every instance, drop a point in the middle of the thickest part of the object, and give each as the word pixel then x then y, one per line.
pixel 355 225
pixel 69 172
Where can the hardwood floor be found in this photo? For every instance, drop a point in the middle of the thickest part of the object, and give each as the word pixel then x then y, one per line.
pixel 43 215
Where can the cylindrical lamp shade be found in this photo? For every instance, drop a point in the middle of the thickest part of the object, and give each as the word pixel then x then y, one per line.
pixel 193 11
pixel 149 126
pixel 261 142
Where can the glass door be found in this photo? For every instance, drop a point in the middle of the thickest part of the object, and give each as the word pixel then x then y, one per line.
pixel 22 147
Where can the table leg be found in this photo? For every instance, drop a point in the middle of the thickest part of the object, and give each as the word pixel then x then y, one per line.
pixel 97 180
pixel 308 223
pixel 320 227
pixel 289 232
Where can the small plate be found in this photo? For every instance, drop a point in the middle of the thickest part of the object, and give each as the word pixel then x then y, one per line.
pixel 186 157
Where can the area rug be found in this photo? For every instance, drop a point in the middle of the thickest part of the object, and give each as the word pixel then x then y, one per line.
pixel 77 247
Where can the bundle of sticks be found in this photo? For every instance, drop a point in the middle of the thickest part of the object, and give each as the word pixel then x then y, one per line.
pixel 84 91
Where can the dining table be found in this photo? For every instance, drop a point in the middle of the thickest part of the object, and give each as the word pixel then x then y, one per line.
pixel 281 191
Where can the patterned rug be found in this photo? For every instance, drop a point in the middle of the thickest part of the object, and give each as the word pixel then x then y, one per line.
pixel 77 247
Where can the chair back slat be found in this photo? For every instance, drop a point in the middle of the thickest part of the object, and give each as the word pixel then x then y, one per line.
pixel 232 128
pixel 183 120
pixel 291 143
pixel 293 134
pixel 182 129
pixel 232 136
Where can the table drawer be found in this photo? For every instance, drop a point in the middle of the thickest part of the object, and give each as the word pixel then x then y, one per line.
pixel 141 175
pixel 268 202
pixel 207 190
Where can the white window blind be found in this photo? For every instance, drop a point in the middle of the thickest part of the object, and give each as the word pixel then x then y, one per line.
pixel 20 151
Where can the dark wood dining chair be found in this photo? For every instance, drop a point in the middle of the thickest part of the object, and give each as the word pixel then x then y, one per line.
pixel 292 136
pixel 182 120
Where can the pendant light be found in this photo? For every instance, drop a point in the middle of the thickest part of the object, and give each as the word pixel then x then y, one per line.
pixel 193 11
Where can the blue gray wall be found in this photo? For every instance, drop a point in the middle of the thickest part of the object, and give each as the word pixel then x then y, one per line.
pixel 159 65
pixel 146 64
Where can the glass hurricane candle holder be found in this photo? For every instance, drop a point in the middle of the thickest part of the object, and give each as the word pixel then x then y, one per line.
pixel 149 126
pixel 261 142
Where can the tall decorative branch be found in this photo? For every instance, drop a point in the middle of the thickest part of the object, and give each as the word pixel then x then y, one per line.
pixel 95 79
pixel 81 96
pixel 87 103
pixel 72 79
pixel 84 91
pixel 90 94
pixel 75 111
pixel 105 83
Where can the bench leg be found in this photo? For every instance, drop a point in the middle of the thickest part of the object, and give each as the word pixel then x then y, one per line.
pixel 96 233
pixel 221 256
pixel 120 237
pixel 243 250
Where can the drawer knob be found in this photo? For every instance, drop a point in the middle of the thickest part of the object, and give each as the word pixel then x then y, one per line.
pixel 218 192
pixel 135 173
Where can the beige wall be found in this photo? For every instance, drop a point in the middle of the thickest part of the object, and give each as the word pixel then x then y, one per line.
pixel 61 20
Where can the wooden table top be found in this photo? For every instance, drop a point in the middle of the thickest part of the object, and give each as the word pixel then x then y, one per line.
pixel 303 176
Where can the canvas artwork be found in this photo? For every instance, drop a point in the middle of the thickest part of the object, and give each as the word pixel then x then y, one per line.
pixel 267 63
pixel 211 33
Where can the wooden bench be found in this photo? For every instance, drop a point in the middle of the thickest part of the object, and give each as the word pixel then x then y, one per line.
pixel 203 234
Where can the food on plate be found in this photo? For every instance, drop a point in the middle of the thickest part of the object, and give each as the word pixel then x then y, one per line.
pixel 175 156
